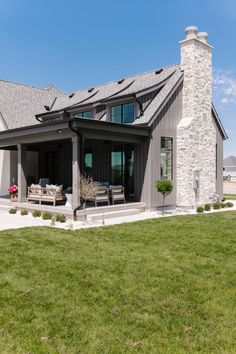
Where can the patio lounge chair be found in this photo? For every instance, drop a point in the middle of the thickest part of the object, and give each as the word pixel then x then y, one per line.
pixel 117 194
pixel 100 196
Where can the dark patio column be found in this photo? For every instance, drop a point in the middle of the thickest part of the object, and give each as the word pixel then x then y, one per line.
pixel 76 172
pixel 21 171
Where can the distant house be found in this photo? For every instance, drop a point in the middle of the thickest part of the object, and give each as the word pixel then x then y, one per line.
pixel 130 132
pixel 230 167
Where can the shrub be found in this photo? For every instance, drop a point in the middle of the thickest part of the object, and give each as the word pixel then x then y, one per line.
pixel 36 213
pixel 223 205
pixel 200 209
pixel 47 216
pixel 229 205
pixel 216 205
pixel 61 218
pixel 24 212
pixel 223 199
pixel 12 211
pixel 207 207
pixel 165 187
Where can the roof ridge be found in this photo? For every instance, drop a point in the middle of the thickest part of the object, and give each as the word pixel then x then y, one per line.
pixel 47 88
pixel 129 77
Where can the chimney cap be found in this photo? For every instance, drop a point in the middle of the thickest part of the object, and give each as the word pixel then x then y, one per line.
pixel 191 32
pixel 202 36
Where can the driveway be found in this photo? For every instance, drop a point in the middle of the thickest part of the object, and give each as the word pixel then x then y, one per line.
pixel 229 187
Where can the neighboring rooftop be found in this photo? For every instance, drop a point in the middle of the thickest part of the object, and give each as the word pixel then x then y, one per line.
pixel 230 161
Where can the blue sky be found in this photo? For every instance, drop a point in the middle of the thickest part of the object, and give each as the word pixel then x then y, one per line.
pixel 76 44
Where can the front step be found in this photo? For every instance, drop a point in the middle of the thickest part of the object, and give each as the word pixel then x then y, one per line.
pixel 109 209
pixel 114 214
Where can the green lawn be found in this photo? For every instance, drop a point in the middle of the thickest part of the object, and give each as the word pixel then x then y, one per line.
pixel 230 196
pixel 159 286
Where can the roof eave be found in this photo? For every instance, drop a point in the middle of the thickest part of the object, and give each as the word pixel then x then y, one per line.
pixel 165 100
pixel 219 123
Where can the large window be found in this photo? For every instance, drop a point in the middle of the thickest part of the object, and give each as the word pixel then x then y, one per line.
pixel 122 167
pixel 87 114
pixel 88 162
pixel 166 158
pixel 123 113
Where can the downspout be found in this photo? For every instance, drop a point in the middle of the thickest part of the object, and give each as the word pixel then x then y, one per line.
pixel 81 156
pixel 140 107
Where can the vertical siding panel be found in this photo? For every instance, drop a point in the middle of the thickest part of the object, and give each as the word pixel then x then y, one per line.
pixel 166 125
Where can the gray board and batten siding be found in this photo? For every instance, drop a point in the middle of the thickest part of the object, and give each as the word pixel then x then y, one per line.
pixel 165 125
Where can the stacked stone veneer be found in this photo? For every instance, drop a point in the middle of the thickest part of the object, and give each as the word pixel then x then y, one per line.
pixel 196 134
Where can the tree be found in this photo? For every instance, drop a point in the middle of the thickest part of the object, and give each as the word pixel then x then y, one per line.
pixel 165 187
pixel 88 188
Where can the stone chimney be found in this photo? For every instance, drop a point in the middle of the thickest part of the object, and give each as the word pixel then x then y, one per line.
pixel 196 135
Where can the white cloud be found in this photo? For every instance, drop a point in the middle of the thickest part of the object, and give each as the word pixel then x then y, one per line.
pixel 224 100
pixel 224 86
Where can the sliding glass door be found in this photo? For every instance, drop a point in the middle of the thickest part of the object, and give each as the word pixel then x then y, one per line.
pixel 122 167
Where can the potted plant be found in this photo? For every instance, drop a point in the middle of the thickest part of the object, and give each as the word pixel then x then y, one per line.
pixel 164 187
pixel 13 192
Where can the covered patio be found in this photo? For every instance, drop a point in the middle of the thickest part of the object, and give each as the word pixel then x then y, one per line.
pixel 63 151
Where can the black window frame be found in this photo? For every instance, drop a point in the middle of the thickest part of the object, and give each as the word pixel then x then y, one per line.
pixel 88 151
pixel 82 113
pixel 172 158
pixel 122 112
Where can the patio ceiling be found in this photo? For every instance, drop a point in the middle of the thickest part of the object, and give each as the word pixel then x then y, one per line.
pixel 66 129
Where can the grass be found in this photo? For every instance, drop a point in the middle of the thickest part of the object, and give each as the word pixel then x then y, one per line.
pixel 230 196
pixel 159 286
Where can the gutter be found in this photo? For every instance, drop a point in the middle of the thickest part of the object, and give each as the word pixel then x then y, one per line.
pixel 140 107
pixel 225 136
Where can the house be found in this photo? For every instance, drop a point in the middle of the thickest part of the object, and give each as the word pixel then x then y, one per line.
pixel 229 167
pixel 133 131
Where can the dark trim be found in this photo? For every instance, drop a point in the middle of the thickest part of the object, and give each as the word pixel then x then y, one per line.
pixel 65 108
pixel 165 100
pixel 140 108
pixel 218 122
pixel 6 126
pixel 86 127
pixel 114 94
pixel 153 87
pixel 39 120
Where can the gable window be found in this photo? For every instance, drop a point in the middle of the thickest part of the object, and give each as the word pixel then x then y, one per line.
pixel 123 113
pixel 86 114
pixel 166 158
pixel 52 119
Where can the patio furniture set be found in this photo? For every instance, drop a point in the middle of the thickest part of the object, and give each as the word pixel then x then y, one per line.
pixel 104 194
pixel 43 192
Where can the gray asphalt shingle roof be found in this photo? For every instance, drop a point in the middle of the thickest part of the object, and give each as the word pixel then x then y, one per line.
pixel 20 103
pixel 128 86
